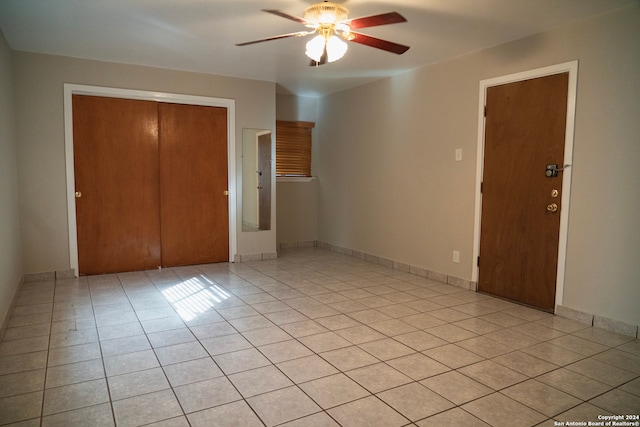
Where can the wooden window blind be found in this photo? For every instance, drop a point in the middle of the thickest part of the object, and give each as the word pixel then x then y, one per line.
pixel 293 148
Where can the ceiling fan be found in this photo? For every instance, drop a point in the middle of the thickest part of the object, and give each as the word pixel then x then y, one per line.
pixel 331 23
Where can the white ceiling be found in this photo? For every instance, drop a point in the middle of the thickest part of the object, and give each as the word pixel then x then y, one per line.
pixel 200 35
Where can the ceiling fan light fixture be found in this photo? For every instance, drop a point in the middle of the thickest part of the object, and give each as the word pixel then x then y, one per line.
pixel 332 28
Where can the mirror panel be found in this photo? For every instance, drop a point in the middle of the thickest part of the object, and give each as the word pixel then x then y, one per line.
pixel 256 179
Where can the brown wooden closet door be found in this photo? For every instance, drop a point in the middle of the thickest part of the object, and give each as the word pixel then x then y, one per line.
pixel 193 182
pixel 116 177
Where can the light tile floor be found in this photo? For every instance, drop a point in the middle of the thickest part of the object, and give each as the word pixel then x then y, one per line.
pixel 313 338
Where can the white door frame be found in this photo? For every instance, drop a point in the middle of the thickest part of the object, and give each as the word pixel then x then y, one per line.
pixel 74 89
pixel 572 69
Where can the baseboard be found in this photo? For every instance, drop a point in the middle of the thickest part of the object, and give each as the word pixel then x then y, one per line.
pixel 597 321
pixel 374 259
pixel 256 257
pixel 39 277
pixel 293 245
pixel 33 278
pixel 66 274
pixel 49 276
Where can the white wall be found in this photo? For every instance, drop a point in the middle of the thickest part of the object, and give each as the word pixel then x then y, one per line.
pixel 300 108
pixel 297 204
pixel 297 212
pixel 10 245
pixel 39 83
pixel 389 185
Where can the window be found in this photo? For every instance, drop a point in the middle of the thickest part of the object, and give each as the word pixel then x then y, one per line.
pixel 293 148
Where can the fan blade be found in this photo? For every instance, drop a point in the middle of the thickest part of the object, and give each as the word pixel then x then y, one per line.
pixel 372 21
pixel 286 15
pixel 282 36
pixel 379 43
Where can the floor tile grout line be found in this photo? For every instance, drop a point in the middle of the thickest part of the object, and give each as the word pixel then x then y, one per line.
pixel 607 347
pixel 298 386
pixel 303 390
pixel 245 399
pixel 164 373
pixel 224 375
pixel 46 363
pixel 104 367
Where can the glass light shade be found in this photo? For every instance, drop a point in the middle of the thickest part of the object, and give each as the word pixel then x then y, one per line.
pixel 315 48
pixel 336 48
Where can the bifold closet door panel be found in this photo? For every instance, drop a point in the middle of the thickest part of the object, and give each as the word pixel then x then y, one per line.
pixel 193 184
pixel 115 144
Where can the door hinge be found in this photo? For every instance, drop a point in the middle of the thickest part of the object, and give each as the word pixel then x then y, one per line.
pixel 485 111
pixel 478 263
pixel 481 186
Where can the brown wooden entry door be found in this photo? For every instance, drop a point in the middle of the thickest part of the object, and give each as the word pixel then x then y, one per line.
pixel 193 181
pixel 525 128
pixel 150 181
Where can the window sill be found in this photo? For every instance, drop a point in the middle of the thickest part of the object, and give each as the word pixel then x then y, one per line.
pixel 295 178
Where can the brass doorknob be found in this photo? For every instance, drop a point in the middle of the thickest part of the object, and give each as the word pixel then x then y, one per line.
pixel 552 207
pixel 78 194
